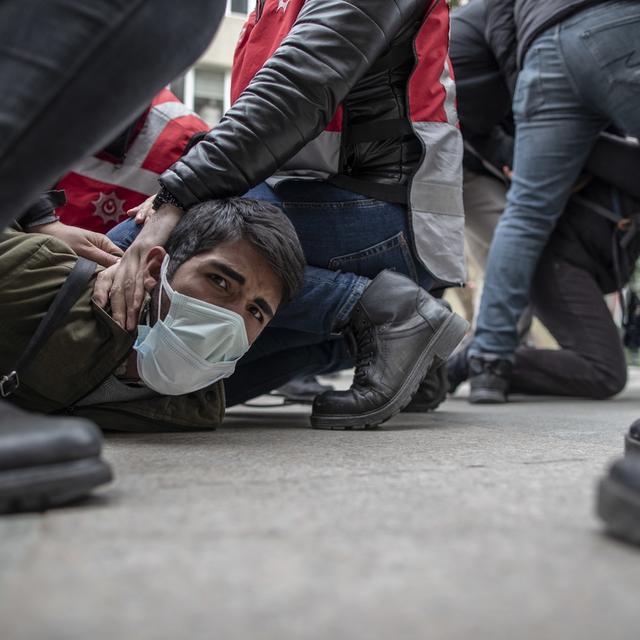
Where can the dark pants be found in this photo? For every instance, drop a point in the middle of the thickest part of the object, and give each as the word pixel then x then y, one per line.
pixel 591 362
pixel 74 73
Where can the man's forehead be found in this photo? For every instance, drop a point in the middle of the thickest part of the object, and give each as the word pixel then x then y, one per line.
pixel 237 252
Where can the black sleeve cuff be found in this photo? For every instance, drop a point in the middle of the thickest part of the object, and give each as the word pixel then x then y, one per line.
pixel 43 211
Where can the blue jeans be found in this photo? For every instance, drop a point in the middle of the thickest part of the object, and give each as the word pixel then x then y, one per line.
pixel 578 77
pixel 347 239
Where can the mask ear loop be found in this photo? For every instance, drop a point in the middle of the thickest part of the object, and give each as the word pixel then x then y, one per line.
pixel 164 284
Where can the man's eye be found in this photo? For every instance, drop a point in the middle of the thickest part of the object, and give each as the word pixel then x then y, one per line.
pixel 220 281
pixel 257 314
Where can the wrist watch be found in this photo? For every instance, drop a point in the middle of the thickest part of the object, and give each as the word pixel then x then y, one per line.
pixel 165 197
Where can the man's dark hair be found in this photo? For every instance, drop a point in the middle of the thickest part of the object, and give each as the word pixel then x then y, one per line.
pixel 214 222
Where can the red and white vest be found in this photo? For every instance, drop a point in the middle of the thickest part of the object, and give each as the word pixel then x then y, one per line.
pixel 435 193
pixel 100 190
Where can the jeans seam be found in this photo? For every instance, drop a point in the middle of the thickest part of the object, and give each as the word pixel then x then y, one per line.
pixel 569 75
pixel 384 246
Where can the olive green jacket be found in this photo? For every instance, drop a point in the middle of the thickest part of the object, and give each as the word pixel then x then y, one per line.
pixel 83 352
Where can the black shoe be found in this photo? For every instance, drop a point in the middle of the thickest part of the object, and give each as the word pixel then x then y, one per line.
pixel 47 461
pixel 302 389
pixel 457 367
pixel 431 392
pixel 489 380
pixel 396 330
pixel 632 439
pixel 618 499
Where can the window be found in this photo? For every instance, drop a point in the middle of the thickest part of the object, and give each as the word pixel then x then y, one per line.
pixel 209 95
pixel 206 91
pixel 240 7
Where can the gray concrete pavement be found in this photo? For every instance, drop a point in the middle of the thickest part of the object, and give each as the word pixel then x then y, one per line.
pixel 466 523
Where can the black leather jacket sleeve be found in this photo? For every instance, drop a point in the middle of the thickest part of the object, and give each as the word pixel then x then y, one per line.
pixel 292 98
pixel 501 35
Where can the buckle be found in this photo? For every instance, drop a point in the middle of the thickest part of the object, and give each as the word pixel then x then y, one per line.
pixel 8 384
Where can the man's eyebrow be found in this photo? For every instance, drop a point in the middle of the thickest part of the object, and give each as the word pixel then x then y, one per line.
pixel 228 271
pixel 239 278
pixel 264 305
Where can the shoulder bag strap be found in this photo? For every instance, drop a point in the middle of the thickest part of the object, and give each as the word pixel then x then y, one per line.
pixel 69 293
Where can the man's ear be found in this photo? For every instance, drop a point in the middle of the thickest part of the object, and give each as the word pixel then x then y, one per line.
pixel 151 268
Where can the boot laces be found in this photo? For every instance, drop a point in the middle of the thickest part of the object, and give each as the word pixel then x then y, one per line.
pixel 362 339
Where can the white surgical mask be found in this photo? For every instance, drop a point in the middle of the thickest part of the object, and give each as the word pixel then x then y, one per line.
pixel 195 345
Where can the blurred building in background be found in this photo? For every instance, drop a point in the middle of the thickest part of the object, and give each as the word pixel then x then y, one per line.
pixel 205 88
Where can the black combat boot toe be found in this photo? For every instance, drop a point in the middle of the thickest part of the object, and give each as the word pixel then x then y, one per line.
pixel 632 439
pixel 397 332
pixel 47 461
pixel 618 499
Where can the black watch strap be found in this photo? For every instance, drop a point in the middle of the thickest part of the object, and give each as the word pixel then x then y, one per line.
pixel 166 197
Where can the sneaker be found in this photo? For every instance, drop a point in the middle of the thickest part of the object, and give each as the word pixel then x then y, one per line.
pixel 489 380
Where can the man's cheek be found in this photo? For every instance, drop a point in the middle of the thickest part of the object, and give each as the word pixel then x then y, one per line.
pixel 254 332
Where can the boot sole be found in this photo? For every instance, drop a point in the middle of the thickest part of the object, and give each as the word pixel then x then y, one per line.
pixel 631 445
pixel 619 508
pixel 446 339
pixel 52 485
pixel 486 396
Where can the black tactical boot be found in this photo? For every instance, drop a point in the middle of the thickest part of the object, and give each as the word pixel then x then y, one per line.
pixel 431 392
pixel 457 367
pixel 433 389
pixel 397 330
pixel 632 439
pixel 47 461
pixel 489 380
pixel 618 499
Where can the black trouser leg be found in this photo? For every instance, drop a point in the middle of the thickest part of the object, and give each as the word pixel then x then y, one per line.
pixel 267 368
pixel 73 74
pixel 591 361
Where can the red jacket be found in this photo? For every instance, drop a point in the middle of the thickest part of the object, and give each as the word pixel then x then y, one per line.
pixel 324 88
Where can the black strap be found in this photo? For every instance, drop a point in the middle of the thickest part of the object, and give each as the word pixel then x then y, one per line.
pixel 74 286
pixel 494 171
pixel 597 208
pixel 395 57
pixel 628 223
pixel 379 130
pixel 379 191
